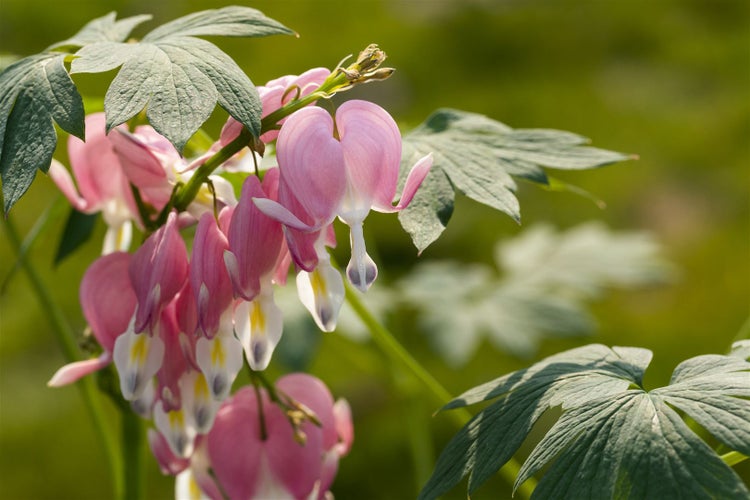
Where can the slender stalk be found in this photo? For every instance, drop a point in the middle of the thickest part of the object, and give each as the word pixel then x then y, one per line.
pixel 188 192
pixel 733 458
pixel 393 349
pixel 133 448
pixel 67 340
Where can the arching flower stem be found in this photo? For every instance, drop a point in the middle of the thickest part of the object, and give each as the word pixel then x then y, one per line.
pixel 364 69
pixel 394 350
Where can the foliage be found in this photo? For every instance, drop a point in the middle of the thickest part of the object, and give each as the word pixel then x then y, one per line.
pixel 178 79
pixel 546 280
pixel 614 439
pixel 546 277
pixel 479 157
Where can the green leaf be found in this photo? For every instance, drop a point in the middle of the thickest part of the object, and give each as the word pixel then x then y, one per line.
pixel 102 29
pixel 78 229
pixel 741 349
pixel 479 157
pixel 178 78
pixel 33 92
pixel 613 439
pixel 547 278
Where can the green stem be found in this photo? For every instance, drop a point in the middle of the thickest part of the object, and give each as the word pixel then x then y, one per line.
pixel 392 348
pixel 67 340
pixel 188 193
pixel 733 458
pixel 133 447
pixel 190 190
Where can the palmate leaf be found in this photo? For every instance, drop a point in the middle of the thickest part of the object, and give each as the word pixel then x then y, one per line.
pixel 547 278
pixel 613 439
pixel 178 78
pixel 479 157
pixel 34 92
pixel 102 29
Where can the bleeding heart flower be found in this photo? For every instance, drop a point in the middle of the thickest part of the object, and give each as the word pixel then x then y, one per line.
pixel 355 168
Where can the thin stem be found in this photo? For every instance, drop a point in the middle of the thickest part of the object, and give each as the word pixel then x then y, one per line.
pixel 393 349
pixel 259 399
pixel 67 340
pixel 188 192
pixel 133 447
pixel 733 458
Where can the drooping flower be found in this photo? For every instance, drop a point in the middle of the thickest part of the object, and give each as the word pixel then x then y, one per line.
pixel 108 301
pixel 153 165
pixel 102 185
pixel 274 95
pixel 263 458
pixel 158 271
pixel 256 249
pixel 355 168
pixel 218 352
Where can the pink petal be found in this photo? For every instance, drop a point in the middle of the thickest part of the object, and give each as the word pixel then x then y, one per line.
pixel 234 444
pixel 95 166
pixel 312 163
pixel 208 275
pixel 314 394
pixel 186 311
pixel 254 239
pixel 168 462
pixel 296 467
pixel 281 91
pixel 328 473
pixel 64 182
pixel 158 271
pixel 278 212
pixel 416 175
pixel 174 362
pixel 142 166
pixel 230 131
pixel 73 371
pixel 371 144
pixel 301 242
pixel 107 297
pixel 342 414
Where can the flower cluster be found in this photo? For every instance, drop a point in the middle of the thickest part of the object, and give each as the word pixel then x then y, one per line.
pixel 176 324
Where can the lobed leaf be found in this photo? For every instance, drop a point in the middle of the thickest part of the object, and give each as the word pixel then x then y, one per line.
pixel 102 29
pixel 480 157
pixel 34 92
pixel 613 439
pixel 547 278
pixel 178 78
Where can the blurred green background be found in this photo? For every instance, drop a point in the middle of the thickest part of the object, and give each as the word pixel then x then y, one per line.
pixel 667 80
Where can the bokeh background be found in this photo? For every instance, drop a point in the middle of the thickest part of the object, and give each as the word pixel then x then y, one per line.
pixel 668 80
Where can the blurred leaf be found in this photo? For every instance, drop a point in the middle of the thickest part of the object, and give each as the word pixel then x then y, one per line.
pixel 78 229
pixel 613 438
pixel 741 349
pixel 547 278
pixel 179 78
pixel 479 157
pixel 7 59
pixel 33 92
pixel 102 29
